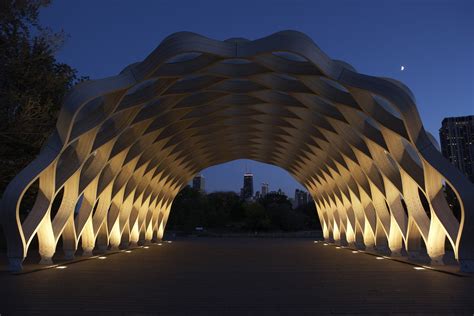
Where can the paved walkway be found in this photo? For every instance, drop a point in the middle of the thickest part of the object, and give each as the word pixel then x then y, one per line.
pixel 237 276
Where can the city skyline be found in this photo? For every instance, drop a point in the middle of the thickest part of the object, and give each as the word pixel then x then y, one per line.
pixel 233 171
pixel 247 192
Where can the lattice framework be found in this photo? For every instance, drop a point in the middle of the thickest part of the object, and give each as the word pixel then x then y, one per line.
pixel 125 146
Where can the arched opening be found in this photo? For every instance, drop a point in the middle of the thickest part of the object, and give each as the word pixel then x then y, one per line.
pixel 244 197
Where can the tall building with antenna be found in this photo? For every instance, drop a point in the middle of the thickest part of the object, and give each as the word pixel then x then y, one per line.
pixel 247 191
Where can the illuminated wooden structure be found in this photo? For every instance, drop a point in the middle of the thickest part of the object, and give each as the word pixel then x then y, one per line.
pixel 125 146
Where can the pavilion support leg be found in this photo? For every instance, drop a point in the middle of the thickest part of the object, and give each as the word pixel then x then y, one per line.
pixel 163 221
pixel 102 248
pixel 69 254
pixel 359 238
pixel 369 238
pixel 414 251
pixel 69 240
pixel 349 235
pixel 47 244
pixel 343 240
pixel 142 237
pixel 336 234
pixel 149 233
pixel 436 241
pixel 88 239
pixel 437 260
pixel 414 243
pixel 125 239
pixel 161 231
pixel 134 235
pixel 330 236
pixel 155 238
pixel 395 239
pixel 396 252
pixel 381 241
pixel 114 237
pixel 114 247
pixel 360 246
pixel 102 239
pixel 87 252
pixel 352 245
pixel 46 259
pixel 382 247
pixel 325 231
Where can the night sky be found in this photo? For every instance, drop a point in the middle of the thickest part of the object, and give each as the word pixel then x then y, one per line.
pixel 433 39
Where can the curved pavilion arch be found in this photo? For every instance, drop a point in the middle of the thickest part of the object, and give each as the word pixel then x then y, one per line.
pixel 125 145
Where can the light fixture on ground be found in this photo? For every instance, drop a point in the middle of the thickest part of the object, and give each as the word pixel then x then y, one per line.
pixel 127 144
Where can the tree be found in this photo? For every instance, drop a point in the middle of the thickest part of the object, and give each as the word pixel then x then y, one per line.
pixel 274 198
pixel 32 84
pixel 310 214
pixel 224 208
pixel 189 209
pixel 256 217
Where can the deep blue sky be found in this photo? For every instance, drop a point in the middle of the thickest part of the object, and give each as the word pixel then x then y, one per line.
pixel 434 39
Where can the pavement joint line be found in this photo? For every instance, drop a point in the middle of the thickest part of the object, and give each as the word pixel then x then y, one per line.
pixel 74 261
pixel 413 264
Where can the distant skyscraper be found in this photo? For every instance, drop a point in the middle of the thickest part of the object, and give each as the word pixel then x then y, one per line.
pixel 247 190
pixel 199 183
pixel 301 197
pixel 264 189
pixel 457 143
